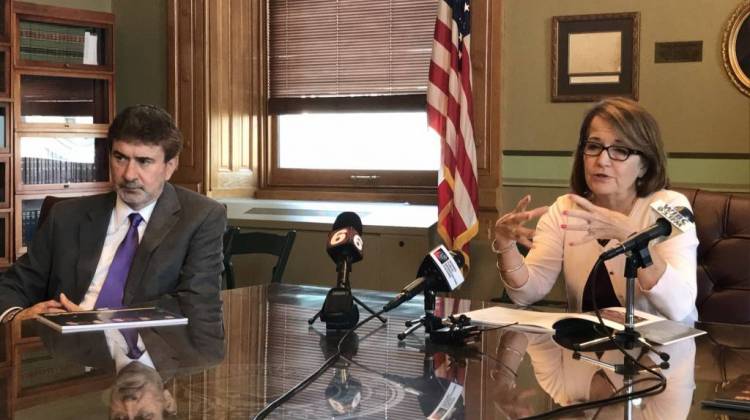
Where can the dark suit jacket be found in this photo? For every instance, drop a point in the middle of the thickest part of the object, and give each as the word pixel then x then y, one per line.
pixel 177 266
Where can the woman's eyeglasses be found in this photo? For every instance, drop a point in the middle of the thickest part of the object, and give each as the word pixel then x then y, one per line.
pixel 618 153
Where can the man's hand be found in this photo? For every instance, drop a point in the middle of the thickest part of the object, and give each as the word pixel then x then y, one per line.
pixel 68 305
pixel 64 305
pixel 39 308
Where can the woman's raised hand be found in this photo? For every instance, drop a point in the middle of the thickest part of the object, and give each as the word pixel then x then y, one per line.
pixel 597 222
pixel 509 227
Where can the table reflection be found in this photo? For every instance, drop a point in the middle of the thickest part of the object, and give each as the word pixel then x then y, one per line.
pixel 269 347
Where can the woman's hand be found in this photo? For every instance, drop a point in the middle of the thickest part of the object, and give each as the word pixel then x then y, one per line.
pixel 597 222
pixel 509 227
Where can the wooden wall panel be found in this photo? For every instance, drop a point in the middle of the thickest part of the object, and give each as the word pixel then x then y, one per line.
pixel 214 73
pixel 186 86
pixel 485 60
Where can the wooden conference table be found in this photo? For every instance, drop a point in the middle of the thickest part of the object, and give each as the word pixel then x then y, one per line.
pixel 270 347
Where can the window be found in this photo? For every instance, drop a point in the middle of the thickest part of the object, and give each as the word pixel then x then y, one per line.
pixel 347 84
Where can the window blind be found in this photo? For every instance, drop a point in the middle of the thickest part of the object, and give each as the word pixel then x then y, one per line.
pixel 340 48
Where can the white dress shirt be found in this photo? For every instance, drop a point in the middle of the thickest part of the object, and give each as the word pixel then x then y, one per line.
pixel 118 348
pixel 116 231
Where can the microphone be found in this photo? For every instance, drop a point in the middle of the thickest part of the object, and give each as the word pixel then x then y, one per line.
pixel 344 246
pixel 677 217
pixel 440 271
pixel 345 240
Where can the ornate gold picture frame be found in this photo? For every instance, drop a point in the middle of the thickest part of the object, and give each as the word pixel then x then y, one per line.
pixel 735 49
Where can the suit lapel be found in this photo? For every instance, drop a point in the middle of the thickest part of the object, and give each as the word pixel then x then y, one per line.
pixel 91 240
pixel 161 222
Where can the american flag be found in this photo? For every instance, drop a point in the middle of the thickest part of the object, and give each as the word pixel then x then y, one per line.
pixel 449 112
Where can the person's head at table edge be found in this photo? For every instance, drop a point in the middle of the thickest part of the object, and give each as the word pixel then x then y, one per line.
pixel 639 166
pixel 144 144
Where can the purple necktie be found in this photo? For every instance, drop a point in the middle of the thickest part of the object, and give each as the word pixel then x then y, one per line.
pixel 112 291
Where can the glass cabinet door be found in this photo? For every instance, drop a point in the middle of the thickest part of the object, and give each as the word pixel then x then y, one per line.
pixel 63 102
pixel 4 127
pixel 53 37
pixel 5 72
pixel 70 161
pixel 5 20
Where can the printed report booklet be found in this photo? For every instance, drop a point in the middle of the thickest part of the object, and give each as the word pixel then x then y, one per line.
pixel 653 328
pixel 70 322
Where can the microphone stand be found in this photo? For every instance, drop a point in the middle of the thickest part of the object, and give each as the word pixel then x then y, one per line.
pixel 454 332
pixel 429 321
pixel 343 269
pixel 628 338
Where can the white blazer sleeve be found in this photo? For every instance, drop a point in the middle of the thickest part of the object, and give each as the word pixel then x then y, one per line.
pixel 544 260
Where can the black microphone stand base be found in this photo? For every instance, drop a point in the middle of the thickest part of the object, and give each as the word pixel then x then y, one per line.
pixel 457 332
pixel 358 302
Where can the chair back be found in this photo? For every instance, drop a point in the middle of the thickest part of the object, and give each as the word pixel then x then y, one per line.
pixel 47 204
pixel 237 243
pixel 722 223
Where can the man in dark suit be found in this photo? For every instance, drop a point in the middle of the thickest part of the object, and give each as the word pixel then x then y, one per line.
pixel 175 237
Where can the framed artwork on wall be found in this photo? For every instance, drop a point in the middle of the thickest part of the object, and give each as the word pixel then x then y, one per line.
pixel 735 47
pixel 594 56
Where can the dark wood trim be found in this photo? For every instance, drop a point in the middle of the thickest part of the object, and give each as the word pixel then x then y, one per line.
pixel 708 155
pixel 7 219
pixel 554 153
pixel 21 127
pixel 486 40
pixel 373 180
pixel 7 19
pixel 63 14
pixel 395 103
pixel 351 194
pixel 5 87
pixel 675 155
pixel 322 180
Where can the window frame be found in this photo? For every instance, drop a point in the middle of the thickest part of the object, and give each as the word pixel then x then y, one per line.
pixel 414 186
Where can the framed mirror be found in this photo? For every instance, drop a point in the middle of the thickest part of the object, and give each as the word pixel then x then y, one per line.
pixel 736 47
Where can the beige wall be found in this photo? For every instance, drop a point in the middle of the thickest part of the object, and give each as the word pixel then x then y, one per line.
pixel 141 52
pixel 697 107
pixel 96 5
pixel 140 47
pixel 695 103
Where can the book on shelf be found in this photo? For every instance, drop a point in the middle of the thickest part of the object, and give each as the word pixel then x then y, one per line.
pixel 108 319
pixel 43 41
pixel 28 225
pixel 735 396
pixel 653 328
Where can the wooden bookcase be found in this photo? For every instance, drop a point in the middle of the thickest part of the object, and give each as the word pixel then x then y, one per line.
pixel 56 103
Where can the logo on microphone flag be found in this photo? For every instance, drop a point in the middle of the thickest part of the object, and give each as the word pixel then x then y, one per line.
pixel 449 114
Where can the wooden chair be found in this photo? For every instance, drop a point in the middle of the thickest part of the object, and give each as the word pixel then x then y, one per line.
pixel 236 243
